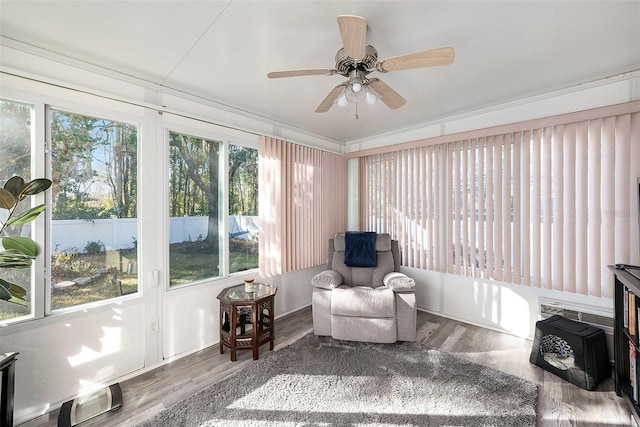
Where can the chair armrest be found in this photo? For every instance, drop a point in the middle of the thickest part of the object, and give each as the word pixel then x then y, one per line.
pixel 399 282
pixel 327 279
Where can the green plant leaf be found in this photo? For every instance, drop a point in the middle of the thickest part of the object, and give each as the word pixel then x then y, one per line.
pixel 13 293
pixel 24 245
pixel 36 186
pixel 14 259
pixel 15 185
pixel 27 216
pixel 4 293
pixel 19 251
pixel 7 200
pixel 16 290
pixel 18 301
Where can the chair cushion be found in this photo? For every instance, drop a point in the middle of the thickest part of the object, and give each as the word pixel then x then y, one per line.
pixel 363 302
pixel 356 276
pixel 364 329
pixel 327 279
pixel 399 282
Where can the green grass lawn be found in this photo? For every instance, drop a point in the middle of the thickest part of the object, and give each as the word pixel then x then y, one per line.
pixel 190 262
pixel 187 268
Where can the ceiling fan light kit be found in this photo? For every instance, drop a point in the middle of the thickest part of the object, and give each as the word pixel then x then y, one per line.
pixel 356 60
pixel 352 96
pixel 356 90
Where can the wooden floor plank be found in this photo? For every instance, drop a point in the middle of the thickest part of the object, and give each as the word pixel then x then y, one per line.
pixel 559 403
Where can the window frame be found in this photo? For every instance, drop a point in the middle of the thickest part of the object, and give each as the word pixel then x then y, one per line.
pixel 104 114
pixel 43 99
pixel 524 171
pixel 202 129
pixel 36 310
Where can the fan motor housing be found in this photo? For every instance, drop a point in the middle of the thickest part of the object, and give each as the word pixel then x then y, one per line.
pixel 345 64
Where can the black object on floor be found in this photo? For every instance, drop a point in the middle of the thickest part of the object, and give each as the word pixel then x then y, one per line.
pixel 574 351
pixel 90 405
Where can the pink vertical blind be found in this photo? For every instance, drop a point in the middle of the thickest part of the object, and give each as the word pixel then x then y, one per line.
pixel 399 194
pixel 547 203
pixel 302 199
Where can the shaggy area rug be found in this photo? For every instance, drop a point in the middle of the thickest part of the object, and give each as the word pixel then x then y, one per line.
pixel 318 381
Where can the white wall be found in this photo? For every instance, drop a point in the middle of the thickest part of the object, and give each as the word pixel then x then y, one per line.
pixel 78 351
pixel 497 305
pixel 198 310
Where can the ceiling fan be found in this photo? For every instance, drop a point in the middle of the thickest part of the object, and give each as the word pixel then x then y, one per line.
pixel 356 60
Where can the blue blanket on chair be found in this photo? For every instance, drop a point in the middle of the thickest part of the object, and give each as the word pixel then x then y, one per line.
pixel 360 249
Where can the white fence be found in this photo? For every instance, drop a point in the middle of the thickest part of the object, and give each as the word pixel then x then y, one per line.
pixel 121 233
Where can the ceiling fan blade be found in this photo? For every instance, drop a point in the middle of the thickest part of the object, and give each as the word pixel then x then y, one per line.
pixel 427 58
pixel 295 73
pixel 353 30
pixel 388 95
pixel 328 101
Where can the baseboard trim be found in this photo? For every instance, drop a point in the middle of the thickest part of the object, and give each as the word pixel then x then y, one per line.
pixel 468 322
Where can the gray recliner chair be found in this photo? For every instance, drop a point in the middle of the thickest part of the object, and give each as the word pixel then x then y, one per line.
pixel 371 304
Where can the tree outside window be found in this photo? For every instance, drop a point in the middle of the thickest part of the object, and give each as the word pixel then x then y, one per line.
pixel 94 209
pixel 243 208
pixel 195 202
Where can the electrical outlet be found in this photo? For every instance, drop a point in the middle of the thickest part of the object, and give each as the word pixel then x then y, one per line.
pixel 154 278
pixel 153 327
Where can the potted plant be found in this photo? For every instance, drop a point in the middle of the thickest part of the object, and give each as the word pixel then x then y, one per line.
pixel 19 252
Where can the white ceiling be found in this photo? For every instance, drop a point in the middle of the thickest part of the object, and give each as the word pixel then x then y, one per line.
pixel 222 51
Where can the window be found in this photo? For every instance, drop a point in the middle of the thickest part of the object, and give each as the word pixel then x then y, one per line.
pixel 93 210
pixel 544 203
pixel 243 208
pixel 16 128
pixel 195 200
pixel 302 204
pixel 89 234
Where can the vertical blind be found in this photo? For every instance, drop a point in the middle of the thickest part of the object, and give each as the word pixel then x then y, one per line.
pixel 547 203
pixel 302 200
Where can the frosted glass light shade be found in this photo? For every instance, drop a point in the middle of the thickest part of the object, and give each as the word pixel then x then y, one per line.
pixel 370 98
pixel 354 95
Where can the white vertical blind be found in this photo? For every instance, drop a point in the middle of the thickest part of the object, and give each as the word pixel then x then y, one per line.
pixel 608 188
pixel 518 225
pixel 545 199
pixel 549 205
pixel 536 210
pixel 302 204
pixel 594 166
pixel 569 213
pixel 583 194
pixel 556 203
pixel 525 241
pixel 479 212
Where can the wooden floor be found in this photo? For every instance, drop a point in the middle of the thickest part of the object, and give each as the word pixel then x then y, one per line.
pixel 559 403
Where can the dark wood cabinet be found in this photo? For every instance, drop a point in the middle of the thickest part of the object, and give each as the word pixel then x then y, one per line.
pixel 7 372
pixel 626 337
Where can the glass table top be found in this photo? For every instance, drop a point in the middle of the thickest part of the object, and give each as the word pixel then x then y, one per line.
pixel 237 293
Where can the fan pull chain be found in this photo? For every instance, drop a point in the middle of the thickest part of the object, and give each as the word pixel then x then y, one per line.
pixel 357 111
